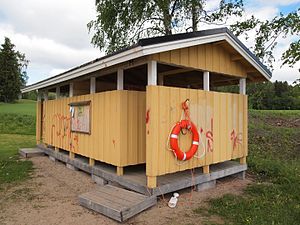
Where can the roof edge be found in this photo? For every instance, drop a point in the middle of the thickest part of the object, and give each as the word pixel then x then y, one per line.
pixel 137 50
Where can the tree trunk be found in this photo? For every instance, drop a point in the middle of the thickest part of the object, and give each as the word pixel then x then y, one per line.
pixel 167 22
pixel 194 18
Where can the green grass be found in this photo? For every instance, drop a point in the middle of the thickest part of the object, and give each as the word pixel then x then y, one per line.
pixel 18 118
pixel 13 123
pixel 274 158
pixel 21 107
pixel 17 129
pixel 12 169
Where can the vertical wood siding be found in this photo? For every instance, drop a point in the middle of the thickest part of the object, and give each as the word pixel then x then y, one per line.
pixel 208 57
pixel 117 127
pixel 222 114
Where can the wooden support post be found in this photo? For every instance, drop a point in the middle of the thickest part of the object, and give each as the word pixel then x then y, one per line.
pixel 120 170
pixel 71 155
pixel 152 73
pixel 71 89
pixel 39 96
pixel 151 182
pixel 57 92
pixel 39 116
pixel 120 79
pixel 243 160
pixel 93 85
pixel 206 81
pixel 206 169
pixel 46 95
pixel 91 162
pixel 56 149
pixel 243 86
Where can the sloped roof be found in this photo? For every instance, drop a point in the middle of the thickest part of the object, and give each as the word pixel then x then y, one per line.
pixel 148 46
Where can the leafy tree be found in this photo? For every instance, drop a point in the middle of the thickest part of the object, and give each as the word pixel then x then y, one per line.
pixel 268 95
pixel 13 75
pixel 31 95
pixel 296 93
pixel 268 33
pixel 121 23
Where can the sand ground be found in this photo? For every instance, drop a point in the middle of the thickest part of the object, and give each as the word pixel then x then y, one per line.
pixel 50 197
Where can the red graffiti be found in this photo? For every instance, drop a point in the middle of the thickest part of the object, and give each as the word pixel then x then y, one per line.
pixel 62 129
pixel 76 140
pixel 147 116
pixel 210 140
pixel 236 138
pixel 209 136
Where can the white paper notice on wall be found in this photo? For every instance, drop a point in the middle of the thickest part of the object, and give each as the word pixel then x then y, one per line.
pixel 81 117
pixel 72 111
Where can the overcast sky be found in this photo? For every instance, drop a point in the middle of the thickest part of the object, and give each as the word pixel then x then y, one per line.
pixel 54 36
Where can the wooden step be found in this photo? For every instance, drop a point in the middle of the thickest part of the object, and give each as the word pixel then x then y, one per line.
pixel 30 152
pixel 116 203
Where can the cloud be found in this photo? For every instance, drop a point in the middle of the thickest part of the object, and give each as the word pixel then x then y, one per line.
pixel 54 72
pixel 64 21
pixel 286 73
pixel 52 34
pixel 278 2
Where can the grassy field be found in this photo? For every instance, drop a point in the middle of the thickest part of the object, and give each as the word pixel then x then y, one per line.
pixel 17 129
pixel 274 160
pixel 21 107
pixel 18 118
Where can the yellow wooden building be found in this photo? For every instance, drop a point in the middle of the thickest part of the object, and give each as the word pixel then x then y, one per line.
pixel 120 109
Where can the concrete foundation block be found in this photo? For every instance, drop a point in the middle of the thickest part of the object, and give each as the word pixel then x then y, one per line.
pixel 71 167
pixel 52 158
pixel 206 185
pixel 99 180
pixel 240 175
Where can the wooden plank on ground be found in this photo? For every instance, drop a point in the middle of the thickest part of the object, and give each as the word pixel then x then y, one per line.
pixel 116 203
pixel 30 152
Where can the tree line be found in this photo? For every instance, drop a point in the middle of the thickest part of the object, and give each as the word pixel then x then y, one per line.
pixel 277 95
pixel 270 95
pixel 13 74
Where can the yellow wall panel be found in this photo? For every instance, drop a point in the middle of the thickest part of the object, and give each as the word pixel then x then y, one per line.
pixel 193 56
pixel 208 57
pixel 175 56
pixel 201 56
pixel 220 118
pixel 117 131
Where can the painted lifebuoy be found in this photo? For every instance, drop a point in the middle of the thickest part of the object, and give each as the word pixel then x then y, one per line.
pixel 184 124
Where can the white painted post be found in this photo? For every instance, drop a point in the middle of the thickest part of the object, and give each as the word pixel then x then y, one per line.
pixel 71 89
pixel 57 92
pixel 160 80
pixel 243 86
pixel 120 79
pixel 206 81
pixel 39 96
pixel 152 73
pixel 93 85
pixel 46 95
